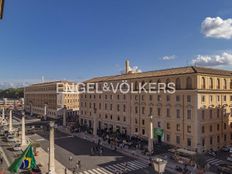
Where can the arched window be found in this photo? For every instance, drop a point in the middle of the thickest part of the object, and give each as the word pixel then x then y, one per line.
pixel 211 83
pixel 203 83
pixel 218 83
pixel 178 85
pixel 225 84
pixel 189 83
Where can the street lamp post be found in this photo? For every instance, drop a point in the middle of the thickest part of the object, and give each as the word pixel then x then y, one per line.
pixel 10 121
pixel 45 111
pixel 64 116
pixel 95 123
pixel 150 134
pixel 23 137
pixel 51 167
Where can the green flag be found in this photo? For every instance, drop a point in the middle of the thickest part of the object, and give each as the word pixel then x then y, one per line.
pixel 25 161
pixel 158 132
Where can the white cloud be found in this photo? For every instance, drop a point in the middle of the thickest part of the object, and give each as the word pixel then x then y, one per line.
pixel 213 60
pixel 217 27
pixel 168 57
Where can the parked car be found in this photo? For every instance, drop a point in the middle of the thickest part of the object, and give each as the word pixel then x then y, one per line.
pixel 179 169
pixel 17 147
pixel 226 149
pixel 10 138
pixel 224 168
pixel 229 158
pixel 212 153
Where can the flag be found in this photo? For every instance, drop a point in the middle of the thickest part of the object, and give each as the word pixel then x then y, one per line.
pixel 25 162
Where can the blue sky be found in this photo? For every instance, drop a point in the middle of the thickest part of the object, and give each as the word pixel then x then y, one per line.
pixel 80 39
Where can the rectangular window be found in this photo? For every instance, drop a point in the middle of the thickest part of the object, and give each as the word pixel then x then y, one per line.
pixel 203 129
pixel 189 129
pixel 210 98
pixel 224 98
pixel 178 127
pixel 151 111
pixel 143 110
pixel 177 139
pixel 203 142
pixel 210 128
pixel 218 98
pixel 177 98
pixel 189 114
pixel 211 140
pixel 168 138
pixel 189 142
pixel 136 109
pixel 218 139
pixel 202 98
pixel 189 98
pixel 178 113
pixel 168 125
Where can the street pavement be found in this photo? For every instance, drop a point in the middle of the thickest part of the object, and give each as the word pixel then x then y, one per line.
pixel 79 149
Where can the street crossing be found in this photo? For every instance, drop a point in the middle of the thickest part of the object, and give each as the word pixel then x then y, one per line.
pixel 120 168
pixel 214 161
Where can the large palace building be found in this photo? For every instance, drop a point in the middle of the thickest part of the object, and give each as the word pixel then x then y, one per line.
pixel 50 99
pixel 197 117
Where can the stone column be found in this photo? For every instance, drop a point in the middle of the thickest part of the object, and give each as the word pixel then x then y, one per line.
pixel 150 134
pixel 3 113
pixel 10 121
pixel 45 111
pixel 23 138
pixel 51 162
pixel 64 117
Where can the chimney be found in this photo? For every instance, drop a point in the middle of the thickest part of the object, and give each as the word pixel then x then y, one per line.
pixel 127 67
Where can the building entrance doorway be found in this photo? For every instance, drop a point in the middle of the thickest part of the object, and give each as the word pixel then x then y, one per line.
pixel 159 139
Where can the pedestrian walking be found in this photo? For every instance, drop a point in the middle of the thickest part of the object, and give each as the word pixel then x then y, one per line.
pixel 65 171
pixel 126 167
pixel 79 164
